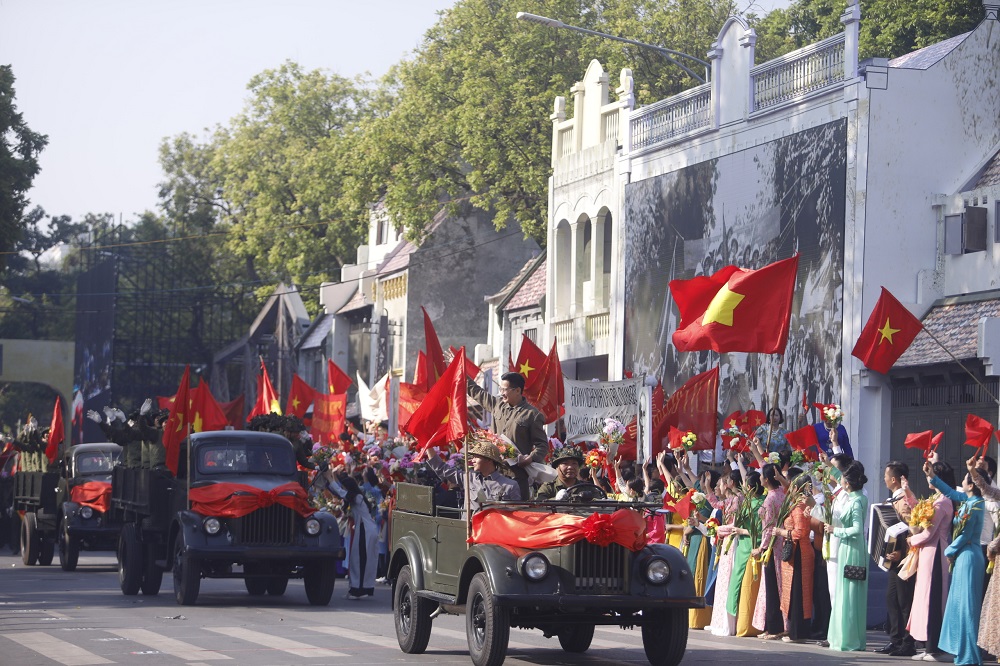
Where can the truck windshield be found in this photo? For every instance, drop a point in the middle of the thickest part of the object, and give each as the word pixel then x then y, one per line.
pixel 95 462
pixel 243 459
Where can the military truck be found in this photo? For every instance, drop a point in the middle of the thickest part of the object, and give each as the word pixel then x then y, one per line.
pixel 237 508
pixel 564 591
pixel 50 513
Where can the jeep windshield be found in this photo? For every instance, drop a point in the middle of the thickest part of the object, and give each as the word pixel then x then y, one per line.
pixel 95 462
pixel 235 457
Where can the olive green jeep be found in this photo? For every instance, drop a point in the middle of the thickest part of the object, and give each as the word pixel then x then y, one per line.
pixel 564 591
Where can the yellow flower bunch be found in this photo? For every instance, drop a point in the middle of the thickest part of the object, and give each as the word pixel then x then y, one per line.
pixel 922 515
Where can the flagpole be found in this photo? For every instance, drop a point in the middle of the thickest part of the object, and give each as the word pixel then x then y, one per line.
pixel 468 499
pixel 774 403
pixel 961 365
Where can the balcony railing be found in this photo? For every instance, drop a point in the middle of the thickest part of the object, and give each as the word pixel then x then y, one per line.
pixel 672 117
pixel 609 124
pixel 598 326
pixel 798 74
pixel 563 331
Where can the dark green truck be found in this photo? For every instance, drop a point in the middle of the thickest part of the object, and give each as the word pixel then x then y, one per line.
pixel 565 591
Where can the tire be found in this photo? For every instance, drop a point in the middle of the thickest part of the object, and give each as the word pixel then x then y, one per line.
pixel 411 614
pixel 319 580
pixel 255 583
pixel 187 575
pixel 487 624
pixel 31 545
pixel 69 549
pixel 14 533
pixel 46 552
pixel 276 585
pixel 576 637
pixel 129 561
pixel 664 636
pixel 152 575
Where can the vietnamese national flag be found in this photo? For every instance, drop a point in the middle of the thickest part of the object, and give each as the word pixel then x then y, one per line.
pixel 165 402
pixel 206 413
pixel 888 332
pixel 681 506
pixel 736 310
pixel 57 432
pixel 977 431
pixel 410 397
pixel 234 411
pixel 530 360
pixel 337 380
pixel 329 417
pixel 694 407
pixel 803 439
pixel 176 427
pixel 300 396
pixel 267 398
pixel 471 369
pixel 442 416
pixel 435 355
pixel 547 393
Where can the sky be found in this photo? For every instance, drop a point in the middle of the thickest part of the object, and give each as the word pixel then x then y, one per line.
pixel 108 80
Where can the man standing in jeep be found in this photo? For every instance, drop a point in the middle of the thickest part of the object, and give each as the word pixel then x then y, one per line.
pixel 567 462
pixel 518 421
pixel 485 479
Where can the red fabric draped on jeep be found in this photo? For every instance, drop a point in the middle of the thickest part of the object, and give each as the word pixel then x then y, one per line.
pixel 95 494
pixel 530 529
pixel 235 500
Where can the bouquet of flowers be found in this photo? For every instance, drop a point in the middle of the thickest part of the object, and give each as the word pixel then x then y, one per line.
pixel 746 517
pixel 555 446
pixel 922 516
pixel 689 440
pixel 613 433
pixel 323 455
pixel 595 458
pixel 699 500
pixel 733 434
pixel 798 457
pixel 712 527
pixel 832 415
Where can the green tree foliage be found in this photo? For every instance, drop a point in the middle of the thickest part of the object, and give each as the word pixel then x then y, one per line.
pixel 19 150
pixel 889 28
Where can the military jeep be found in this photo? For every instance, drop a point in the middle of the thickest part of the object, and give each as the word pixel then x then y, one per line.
pixel 565 591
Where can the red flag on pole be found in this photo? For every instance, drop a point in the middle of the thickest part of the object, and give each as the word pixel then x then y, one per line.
pixel 329 417
pixel 736 310
pixel 421 374
pixel 267 398
pixel 57 432
pixel 300 396
pixel 337 380
pixel 977 431
pixel 471 369
pixel 410 397
pixel 530 360
pixel 803 438
pixel 694 407
pixel 435 355
pixel 547 393
pixel 206 413
pixel 176 427
pixel 443 414
pixel 926 441
pixel 888 332
pixel 234 411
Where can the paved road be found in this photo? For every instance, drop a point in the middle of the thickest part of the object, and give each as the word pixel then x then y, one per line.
pixel 48 616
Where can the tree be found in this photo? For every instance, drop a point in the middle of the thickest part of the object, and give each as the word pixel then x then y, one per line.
pixel 19 150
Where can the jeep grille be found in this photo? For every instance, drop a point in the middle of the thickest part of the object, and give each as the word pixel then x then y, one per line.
pixel 272 526
pixel 598 570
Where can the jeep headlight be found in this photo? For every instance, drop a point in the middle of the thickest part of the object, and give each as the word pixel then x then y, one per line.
pixel 535 566
pixel 212 525
pixel 657 571
pixel 313 527
pixel 87 513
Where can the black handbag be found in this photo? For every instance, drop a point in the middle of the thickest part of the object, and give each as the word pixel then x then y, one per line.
pixel 855 573
pixel 787 550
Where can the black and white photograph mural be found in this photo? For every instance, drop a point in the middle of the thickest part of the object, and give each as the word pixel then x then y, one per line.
pixel 749 209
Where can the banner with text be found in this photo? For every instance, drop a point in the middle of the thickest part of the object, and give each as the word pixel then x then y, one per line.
pixel 589 403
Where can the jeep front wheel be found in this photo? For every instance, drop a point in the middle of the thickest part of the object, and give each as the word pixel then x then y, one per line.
pixel 576 637
pixel 487 624
pixel 319 578
pixel 69 548
pixel 31 543
pixel 411 613
pixel 664 636
pixel 187 574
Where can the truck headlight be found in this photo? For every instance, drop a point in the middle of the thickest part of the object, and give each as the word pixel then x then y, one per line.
pixel 212 525
pixel 87 513
pixel 313 527
pixel 535 566
pixel 657 571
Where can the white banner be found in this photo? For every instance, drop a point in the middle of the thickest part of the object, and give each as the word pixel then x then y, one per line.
pixel 589 403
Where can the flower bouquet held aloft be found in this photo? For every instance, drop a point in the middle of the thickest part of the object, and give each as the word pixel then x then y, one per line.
pixel 595 458
pixel 793 497
pixel 832 416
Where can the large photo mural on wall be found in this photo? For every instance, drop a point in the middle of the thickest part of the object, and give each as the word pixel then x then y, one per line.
pixel 749 209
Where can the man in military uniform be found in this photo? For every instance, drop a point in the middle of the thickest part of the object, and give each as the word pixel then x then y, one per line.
pixel 517 420
pixel 485 480
pixel 567 463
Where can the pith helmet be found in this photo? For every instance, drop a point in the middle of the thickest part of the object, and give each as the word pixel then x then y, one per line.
pixel 486 450
pixel 567 452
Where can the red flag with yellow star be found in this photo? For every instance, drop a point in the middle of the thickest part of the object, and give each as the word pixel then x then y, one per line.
pixel 176 427
pixel 442 416
pixel 300 396
pixel 267 398
pixel 736 310
pixel 206 413
pixel 329 417
pixel 410 397
pixel 530 360
pixel 337 380
pixel 889 331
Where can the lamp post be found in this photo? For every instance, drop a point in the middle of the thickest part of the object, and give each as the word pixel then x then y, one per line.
pixel 665 52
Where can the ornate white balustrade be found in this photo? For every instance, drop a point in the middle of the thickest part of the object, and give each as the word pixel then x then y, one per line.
pixel 799 74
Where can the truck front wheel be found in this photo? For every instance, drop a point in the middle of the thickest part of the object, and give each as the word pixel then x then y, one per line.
pixel 664 636
pixel 187 575
pixel 319 580
pixel 576 637
pixel 31 544
pixel 487 624
pixel 69 548
pixel 129 560
pixel 411 613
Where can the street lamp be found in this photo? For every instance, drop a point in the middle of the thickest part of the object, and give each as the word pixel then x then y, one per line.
pixel 665 52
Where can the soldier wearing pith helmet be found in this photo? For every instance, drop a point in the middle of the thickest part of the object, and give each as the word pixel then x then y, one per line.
pixel 567 462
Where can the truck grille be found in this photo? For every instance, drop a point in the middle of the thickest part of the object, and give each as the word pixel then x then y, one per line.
pixel 272 526
pixel 598 570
